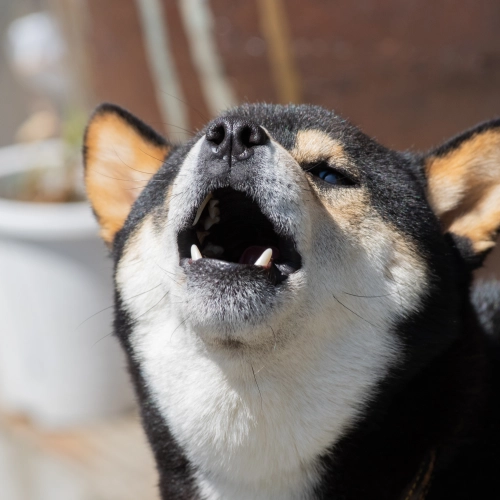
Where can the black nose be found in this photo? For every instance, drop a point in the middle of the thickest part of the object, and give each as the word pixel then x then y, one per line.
pixel 235 139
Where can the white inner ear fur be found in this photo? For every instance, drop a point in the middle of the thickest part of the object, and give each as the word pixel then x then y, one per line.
pixel 254 424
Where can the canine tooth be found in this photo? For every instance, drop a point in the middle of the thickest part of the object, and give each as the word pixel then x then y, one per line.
pixel 209 222
pixel 201 236
pixel 265 258
pixel 195 253
pixel 202 207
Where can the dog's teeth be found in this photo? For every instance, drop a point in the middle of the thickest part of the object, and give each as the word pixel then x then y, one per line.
pixel 202 207
pixel 201 236
pixel 209 222
pixel 195 253
pixel 265 258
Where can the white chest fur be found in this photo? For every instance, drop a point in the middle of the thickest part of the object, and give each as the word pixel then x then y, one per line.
pixel 255 429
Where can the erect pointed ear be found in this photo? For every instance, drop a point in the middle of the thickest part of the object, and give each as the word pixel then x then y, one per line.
pixel 121 154
pixel 463 179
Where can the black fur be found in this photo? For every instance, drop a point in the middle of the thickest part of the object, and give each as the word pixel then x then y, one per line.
pixel 459 139
pixel 443 399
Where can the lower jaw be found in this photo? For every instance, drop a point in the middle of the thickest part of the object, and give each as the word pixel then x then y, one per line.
pixel 275 274
pixel 229 304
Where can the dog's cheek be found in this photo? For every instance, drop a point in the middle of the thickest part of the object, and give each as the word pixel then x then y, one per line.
pixel 140 278
pixel 361 261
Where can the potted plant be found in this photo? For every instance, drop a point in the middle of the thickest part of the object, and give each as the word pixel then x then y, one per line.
pixel 58 363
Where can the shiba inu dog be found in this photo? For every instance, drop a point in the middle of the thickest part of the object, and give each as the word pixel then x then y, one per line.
pixel 295 303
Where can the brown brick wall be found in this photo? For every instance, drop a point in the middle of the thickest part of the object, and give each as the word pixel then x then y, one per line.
pixel 410 73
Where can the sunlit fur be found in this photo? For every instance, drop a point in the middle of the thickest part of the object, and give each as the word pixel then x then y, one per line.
pixel 254 420
pixel 340 381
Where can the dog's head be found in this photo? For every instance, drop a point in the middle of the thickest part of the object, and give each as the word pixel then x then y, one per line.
pixel 285 235
pixel 275 216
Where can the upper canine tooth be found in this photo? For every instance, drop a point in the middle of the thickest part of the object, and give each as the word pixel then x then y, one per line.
pixel 195 253
pixel 201 208
pixel 265 258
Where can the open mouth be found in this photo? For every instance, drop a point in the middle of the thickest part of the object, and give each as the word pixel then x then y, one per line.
pixel 230 227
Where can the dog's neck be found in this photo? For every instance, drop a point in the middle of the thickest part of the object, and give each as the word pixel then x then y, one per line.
pixel 255 425
pixel 224 410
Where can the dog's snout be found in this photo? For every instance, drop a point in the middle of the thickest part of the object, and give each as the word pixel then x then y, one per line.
pixel 235 140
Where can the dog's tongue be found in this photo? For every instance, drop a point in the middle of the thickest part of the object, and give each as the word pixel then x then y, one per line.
pixel 251 254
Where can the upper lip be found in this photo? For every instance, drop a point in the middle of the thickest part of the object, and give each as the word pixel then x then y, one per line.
pixel 230 226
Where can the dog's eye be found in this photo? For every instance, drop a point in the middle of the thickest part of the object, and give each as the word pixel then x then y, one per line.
pixel 328 174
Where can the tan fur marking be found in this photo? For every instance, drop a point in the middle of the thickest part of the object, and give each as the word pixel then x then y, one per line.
pixel 314 145
pixel 351 212
pixel 464 189
pixel 347 207
pixel 119 164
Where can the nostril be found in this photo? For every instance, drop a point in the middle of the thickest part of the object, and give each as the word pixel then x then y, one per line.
pixel 216 134
pixel 251 135
pixel 244 136
pixel 258 136
pixel 229 138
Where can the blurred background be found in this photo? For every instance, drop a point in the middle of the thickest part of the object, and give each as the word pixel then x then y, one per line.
pixel 410 73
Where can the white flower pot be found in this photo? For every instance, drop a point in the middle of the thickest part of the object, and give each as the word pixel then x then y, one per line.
pixel 54 275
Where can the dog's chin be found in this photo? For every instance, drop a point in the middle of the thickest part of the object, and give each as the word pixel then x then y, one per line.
pixel 230 305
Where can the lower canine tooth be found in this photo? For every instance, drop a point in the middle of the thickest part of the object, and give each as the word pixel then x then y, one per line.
pixel 265 258
pixel 195 253
pixel 202 207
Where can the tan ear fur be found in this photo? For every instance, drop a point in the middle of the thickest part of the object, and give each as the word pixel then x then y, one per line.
pixel 464 186
pixel 121 155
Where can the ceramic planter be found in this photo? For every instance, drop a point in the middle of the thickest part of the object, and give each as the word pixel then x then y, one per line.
pixel 54 276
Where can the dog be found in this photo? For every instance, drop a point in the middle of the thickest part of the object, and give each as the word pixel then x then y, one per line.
pixel 296 304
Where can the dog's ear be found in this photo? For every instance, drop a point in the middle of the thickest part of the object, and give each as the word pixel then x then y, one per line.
pixel 121 154
pixel 463 186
